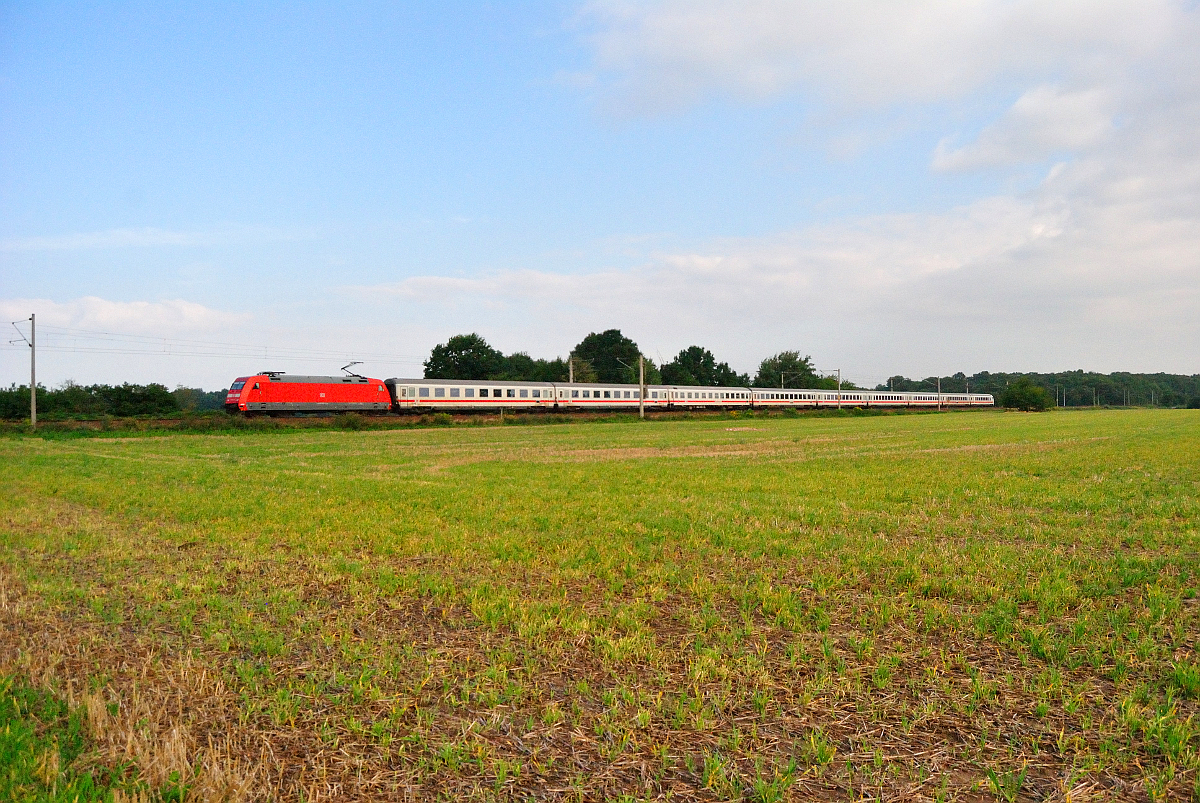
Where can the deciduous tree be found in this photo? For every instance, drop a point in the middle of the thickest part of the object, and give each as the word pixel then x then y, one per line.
pixel 612 356
pixel 789 370
pixel 464 357
pixel 1024 394
pixel 697 366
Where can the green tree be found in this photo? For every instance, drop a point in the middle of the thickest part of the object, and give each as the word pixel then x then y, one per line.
pixel 613 357
pixel 521 367
pixel 126 399
pixel 788 369
pixel 464 357
pixel 697 366
pixel 1024 394
pixel 196 399
pixel 582 371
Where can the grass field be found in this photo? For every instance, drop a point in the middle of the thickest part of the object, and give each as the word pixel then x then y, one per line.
pixel 970 606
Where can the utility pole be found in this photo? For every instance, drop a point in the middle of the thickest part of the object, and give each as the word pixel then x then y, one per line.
pixel 839 388
pixel 30 341
pixel 939 393
pixel 641 387
pixel 570 370
pixel 32 371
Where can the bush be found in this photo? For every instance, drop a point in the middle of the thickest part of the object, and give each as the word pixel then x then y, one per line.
pixel 351 421
pixel 1194 403
pixel 1025 395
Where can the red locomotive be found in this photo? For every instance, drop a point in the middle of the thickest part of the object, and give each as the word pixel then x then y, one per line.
pixel 276 392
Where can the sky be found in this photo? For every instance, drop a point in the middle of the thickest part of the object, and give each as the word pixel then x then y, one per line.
pixel 190 193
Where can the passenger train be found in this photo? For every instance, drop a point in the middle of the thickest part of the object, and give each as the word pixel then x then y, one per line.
pixel 273 393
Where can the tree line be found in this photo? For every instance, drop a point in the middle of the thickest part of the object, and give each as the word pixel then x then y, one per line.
pixel 1070 388
pixel 610 356
pixel 95 401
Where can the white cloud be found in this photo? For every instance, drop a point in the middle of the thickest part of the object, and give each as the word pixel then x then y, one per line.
pixel 156 318
pixel 663 55
pixel 1044 121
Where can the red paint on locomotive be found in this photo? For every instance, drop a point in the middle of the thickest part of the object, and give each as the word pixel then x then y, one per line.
pixel 292 393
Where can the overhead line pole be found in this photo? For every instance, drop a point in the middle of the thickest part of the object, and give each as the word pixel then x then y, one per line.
pixel 641 387
pixel 33 370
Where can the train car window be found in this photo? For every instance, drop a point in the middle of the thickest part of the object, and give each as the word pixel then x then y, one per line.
pixel 574 394
pixel 654 394
pixel 255 386
pixel 454 392
pixel 423 393
pixel 637 394
pixel 439 392
pixel 470 392
pixel 512 393
pixel 608 394
pixel 537 394
pixel 524 393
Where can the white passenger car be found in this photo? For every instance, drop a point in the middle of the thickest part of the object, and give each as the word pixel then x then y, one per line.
pixel 460 395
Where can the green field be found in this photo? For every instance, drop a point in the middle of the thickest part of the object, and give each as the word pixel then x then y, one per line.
pixel 966 606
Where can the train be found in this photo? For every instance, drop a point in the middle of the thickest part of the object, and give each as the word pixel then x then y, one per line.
pixel 277 393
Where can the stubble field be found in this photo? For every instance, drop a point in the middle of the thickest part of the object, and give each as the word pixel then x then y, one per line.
pixel 970 606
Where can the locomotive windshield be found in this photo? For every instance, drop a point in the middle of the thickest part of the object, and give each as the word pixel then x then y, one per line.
pixel 237 385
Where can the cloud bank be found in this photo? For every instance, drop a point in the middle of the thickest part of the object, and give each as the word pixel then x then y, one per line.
pixel 1097 263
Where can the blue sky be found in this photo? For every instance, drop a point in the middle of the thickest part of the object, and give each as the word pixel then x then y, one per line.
pixel 914 188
